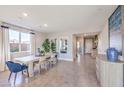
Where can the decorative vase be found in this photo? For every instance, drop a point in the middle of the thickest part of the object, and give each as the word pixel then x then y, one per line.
pixel 112 54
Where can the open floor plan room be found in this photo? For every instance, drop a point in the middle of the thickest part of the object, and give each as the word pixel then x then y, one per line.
pixel 61 46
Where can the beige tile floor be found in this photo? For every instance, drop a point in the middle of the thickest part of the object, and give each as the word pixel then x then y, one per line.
pixel 63 74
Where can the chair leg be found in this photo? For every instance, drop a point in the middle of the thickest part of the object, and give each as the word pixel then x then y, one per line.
pixel 27 72
pixel 9 76
pixel 40 68
pixel 22 72
pixel 45 65
pixel 33 67
pixel 49 65
pixel 15 78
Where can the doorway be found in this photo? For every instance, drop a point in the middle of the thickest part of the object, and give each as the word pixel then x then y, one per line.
pixel 78 46
pixel 90 45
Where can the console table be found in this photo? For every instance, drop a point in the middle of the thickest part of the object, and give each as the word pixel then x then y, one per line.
pixel 109 74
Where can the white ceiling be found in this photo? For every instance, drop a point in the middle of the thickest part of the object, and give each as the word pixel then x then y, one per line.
pixel 58 18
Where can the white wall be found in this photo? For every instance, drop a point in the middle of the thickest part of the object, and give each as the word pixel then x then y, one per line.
pixel 40 37
pixel 88 45
pixel 103 41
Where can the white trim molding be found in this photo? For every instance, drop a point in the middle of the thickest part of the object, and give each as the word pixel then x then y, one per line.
pixel 65 59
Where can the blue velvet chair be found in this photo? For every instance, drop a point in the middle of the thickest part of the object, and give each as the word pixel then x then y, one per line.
pixel 15 68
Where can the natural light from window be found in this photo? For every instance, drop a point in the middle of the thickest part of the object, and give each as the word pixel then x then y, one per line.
pixel 25 42
pixel 19 41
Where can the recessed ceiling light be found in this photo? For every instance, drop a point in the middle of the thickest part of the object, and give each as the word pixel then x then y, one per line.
pixel 25 14
pixel 45 25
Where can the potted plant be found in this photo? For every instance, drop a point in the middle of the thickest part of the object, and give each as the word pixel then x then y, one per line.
pixel 53 46
pixel 46 46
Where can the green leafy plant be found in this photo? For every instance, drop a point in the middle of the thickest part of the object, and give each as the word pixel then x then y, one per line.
pixel 53 46
pixel 46 45
pixel 42 52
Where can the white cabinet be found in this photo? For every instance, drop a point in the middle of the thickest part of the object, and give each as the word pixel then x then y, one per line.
pixel 109 74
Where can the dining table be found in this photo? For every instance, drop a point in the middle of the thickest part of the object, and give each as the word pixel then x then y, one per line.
pixel 29 60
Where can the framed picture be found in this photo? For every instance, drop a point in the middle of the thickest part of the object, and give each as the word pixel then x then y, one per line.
pixel 63 45
pixel 115 35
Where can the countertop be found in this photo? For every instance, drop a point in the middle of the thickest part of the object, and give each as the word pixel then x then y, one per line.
pixel 104 58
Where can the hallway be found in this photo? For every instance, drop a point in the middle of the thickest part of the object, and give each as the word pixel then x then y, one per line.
pixel 64 74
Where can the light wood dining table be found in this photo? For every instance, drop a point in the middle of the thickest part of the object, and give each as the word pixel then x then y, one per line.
pixel 29 60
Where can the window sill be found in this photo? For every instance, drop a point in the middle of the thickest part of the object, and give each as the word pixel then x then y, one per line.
pixel 13 53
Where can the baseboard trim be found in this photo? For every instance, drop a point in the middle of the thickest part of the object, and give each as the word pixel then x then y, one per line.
pixel 65 59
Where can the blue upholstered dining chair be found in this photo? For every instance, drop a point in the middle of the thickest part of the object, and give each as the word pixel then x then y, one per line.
pixel 15 68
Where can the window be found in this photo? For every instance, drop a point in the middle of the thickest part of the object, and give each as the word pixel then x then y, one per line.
pixel 19 41
pixel 14 41
pixel 25 42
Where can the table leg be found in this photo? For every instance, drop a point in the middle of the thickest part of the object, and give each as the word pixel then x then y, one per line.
pixel 30 69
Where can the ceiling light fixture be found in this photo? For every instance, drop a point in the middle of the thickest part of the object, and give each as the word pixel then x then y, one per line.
pixel 25 14
pixel 45 25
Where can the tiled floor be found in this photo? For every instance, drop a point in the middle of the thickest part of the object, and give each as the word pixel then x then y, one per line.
pixel 64 74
